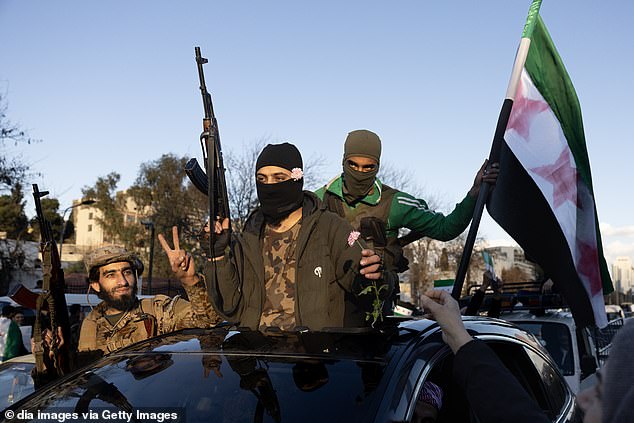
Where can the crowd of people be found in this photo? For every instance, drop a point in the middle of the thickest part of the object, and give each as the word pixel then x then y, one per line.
pixel 302 261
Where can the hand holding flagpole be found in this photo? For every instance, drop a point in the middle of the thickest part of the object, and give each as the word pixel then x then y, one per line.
pixel 498 138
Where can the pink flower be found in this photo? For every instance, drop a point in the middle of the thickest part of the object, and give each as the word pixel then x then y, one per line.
pixel 353 237
pixel 297 174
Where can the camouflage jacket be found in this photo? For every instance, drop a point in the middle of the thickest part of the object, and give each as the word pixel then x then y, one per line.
pixel 149 317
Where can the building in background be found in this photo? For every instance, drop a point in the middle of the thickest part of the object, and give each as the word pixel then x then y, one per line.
pixel 89 234
pixel 623 274
pixel 19 264
pixel 509 260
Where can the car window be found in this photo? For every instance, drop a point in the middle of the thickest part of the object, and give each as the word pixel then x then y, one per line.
pixel 15 382
pixel 555 337
pixel 455 407
pixel 556 391
pixel 242 388
pixel 534 374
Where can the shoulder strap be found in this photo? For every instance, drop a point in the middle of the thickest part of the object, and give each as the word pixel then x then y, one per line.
pixel 149 320
pixel 334 203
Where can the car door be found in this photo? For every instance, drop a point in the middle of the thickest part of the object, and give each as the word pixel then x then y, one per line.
pixel 532 368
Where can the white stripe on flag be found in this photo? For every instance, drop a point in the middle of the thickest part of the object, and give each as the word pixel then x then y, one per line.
pixel 535 136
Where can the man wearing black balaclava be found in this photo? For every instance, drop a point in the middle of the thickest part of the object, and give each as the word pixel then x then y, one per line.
pixel 363 200
pixel 293 261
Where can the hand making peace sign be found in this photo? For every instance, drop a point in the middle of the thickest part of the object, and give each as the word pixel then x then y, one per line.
pixel 181 261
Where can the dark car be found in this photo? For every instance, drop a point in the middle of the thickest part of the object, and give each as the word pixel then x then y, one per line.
pixel 15 379
pixel 222 375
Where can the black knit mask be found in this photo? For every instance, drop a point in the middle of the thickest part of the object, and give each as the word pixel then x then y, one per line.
pixel 278 200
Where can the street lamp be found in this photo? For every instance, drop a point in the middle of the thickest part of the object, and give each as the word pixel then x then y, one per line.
pixel 150 225
pixel 61 236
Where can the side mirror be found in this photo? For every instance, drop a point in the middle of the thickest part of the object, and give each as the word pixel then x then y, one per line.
pixel 588 366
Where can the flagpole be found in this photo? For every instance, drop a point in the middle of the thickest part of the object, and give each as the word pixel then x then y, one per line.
pixel 498 139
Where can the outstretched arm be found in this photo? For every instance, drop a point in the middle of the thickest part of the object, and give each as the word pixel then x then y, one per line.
pixel 183 266
pixel 486 382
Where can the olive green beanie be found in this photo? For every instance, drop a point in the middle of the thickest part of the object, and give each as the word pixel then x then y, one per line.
pixel 362 143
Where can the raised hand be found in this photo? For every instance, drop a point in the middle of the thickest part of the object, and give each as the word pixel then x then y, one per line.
pixel 440 306
pixel 485 174
pixel 222 229
pixel 181 261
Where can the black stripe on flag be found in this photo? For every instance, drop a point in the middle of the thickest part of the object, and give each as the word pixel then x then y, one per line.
pixel 518 206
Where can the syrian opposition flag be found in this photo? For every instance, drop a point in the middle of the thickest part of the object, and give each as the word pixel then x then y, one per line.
pixel 488 262
pixel 543 197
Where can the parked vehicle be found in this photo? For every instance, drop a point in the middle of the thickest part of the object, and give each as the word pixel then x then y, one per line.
pixel 341 375
pixel 614 312
pixel 575 352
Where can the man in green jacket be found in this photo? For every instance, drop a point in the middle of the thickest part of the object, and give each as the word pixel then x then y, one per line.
pixel 359 196
pixel 292 263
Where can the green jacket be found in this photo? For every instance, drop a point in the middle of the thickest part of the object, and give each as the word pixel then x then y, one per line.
pixel 327 267
pixel 406 211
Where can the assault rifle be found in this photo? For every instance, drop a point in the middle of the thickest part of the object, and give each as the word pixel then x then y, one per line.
pixel 56 361
pixel 212 183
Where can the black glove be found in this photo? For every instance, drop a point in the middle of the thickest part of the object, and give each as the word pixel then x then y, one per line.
pixel 221 242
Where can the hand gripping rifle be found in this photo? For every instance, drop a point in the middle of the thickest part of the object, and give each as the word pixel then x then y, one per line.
pixel 56 361
pixel 213 183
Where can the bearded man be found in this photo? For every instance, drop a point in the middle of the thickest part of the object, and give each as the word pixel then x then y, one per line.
pixel 122 319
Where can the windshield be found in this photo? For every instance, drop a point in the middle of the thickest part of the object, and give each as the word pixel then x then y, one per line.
pixel 229 388
pixel 15 382
pixel 555 337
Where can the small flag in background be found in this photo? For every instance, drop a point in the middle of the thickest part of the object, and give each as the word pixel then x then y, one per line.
pixel 444 284
pixel 488 263
pixel 543 197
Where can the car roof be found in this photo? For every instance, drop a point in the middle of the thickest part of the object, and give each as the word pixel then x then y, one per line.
pixel 613 308
pixel 554 316
pixel 27 358
pixel 340 343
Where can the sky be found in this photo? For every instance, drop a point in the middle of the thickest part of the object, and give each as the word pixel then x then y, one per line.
pixel 109 85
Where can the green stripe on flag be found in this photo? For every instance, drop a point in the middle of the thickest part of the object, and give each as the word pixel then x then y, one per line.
pixel 548 73
pixel 443 283
pixel 533 14
pixel 550 77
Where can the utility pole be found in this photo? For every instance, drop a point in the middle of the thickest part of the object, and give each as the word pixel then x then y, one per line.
pixel 150 225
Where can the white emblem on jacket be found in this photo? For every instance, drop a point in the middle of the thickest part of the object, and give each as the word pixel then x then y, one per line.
pixel 317 271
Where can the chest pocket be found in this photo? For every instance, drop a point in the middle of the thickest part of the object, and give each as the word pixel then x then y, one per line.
pixel 135 330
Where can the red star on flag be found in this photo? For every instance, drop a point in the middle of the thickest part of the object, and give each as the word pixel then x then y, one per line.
pixel 589 265
pixel 523 111
pixel 563 177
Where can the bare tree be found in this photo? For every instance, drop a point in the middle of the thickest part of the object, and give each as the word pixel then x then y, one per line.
pixel 430 259
pixel 426 257
pixel 12 169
